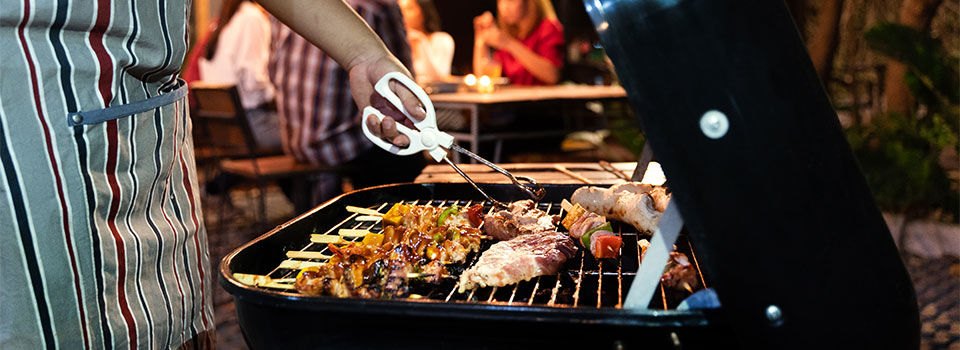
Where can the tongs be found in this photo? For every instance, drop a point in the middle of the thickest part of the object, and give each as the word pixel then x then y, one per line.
pixel 427 137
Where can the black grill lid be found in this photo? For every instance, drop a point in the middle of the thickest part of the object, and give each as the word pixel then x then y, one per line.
pixel 768 188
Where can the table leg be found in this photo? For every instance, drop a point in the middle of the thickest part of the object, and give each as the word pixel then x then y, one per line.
pixel 474 131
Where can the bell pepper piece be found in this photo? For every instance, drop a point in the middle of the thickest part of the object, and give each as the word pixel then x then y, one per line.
pixel 585 239
pixel 452 210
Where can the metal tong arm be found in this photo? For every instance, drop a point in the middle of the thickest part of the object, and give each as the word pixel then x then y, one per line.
pixel 536 192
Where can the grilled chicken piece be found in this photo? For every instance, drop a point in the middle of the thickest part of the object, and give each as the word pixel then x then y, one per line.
pixel 638 205
pixel 322 281
pixel 679 272
pixel 520 218
pixel 519 259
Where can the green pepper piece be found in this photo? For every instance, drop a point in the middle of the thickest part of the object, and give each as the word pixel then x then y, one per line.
pixel 585 239
pixel 446 212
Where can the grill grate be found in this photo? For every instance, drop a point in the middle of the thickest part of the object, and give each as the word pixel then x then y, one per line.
pixel 583 282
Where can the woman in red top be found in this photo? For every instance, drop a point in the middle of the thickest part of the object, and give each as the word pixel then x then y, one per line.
pixel 527 39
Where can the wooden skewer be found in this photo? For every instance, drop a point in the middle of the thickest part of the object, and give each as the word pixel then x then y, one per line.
pixel 369 218
pixel 363 211
pixel 298 264
pixel 565 205
pixel 324 239
pixel 264 281
pixel 574 175
pixel 277 285
pixel 307 255
pixel 348 232
pixel 605 165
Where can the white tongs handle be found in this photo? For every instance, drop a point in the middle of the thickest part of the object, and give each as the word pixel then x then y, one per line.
pixel 427 137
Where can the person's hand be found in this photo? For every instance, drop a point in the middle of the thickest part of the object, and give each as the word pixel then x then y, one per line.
pixel 494 37
pixel 482 22
pixel 363 76
pixel 415 37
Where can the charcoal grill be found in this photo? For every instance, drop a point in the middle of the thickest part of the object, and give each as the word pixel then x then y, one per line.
pixel 585 297
pixel 784 225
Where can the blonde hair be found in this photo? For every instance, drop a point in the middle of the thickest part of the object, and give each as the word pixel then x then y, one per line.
pixel 540 9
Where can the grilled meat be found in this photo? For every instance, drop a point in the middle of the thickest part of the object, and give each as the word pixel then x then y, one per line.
pixel 414 239
pixel 679 272
pixel 638 205
pixel 585 223
pixel 519 259
pixel 520 218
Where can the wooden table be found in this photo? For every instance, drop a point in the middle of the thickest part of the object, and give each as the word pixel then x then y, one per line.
pixel 472 102
pixel 541 172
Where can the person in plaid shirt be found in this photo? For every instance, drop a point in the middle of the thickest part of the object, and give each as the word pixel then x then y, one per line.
pixel 320 123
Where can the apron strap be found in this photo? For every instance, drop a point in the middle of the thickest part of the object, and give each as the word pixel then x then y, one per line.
pixel 110 113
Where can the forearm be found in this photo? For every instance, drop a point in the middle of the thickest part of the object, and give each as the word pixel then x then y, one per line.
pixel 539 67
pixel 480 54
pixel 353 41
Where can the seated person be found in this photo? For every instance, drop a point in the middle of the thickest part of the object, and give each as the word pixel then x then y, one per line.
pixel 322 122
pixel 527 39
pixel 431 49
pixel 236 52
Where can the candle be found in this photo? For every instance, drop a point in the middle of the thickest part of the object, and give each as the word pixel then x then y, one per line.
pixel 484 85
pixel 470 80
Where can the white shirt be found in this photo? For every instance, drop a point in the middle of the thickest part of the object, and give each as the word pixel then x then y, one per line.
pixel 242 55
pixel 432 55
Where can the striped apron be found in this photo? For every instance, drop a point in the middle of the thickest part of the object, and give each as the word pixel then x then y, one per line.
pixel 102 243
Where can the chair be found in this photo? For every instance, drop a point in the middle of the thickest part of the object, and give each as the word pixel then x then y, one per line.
pixel 225 141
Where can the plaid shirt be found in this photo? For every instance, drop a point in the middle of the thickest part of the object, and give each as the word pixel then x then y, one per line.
pixel 319 121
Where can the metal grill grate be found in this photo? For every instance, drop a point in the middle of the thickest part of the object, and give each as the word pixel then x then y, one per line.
pixel 583 282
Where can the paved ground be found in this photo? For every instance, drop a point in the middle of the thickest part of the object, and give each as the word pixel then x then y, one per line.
pixel 936 276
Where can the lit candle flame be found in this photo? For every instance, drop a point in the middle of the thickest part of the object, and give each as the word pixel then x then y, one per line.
pixel 470 80
pixel 484 85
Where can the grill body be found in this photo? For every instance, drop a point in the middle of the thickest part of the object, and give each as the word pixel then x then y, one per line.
pixel 489 319
pixel 781 214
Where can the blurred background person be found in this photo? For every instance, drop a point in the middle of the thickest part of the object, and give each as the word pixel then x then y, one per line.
pixel 319 122
pixel 431 49
pixel 527 40
pixel 235 52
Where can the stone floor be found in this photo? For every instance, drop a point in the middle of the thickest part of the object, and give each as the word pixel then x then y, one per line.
pixel 932 262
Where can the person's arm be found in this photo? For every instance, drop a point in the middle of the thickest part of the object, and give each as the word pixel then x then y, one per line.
pixel 335 28
pixel 481 51
pixel 540 67
pixel 480 55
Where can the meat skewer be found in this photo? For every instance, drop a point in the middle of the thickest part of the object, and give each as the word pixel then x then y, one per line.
pixel 592 231
pixel 416 243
